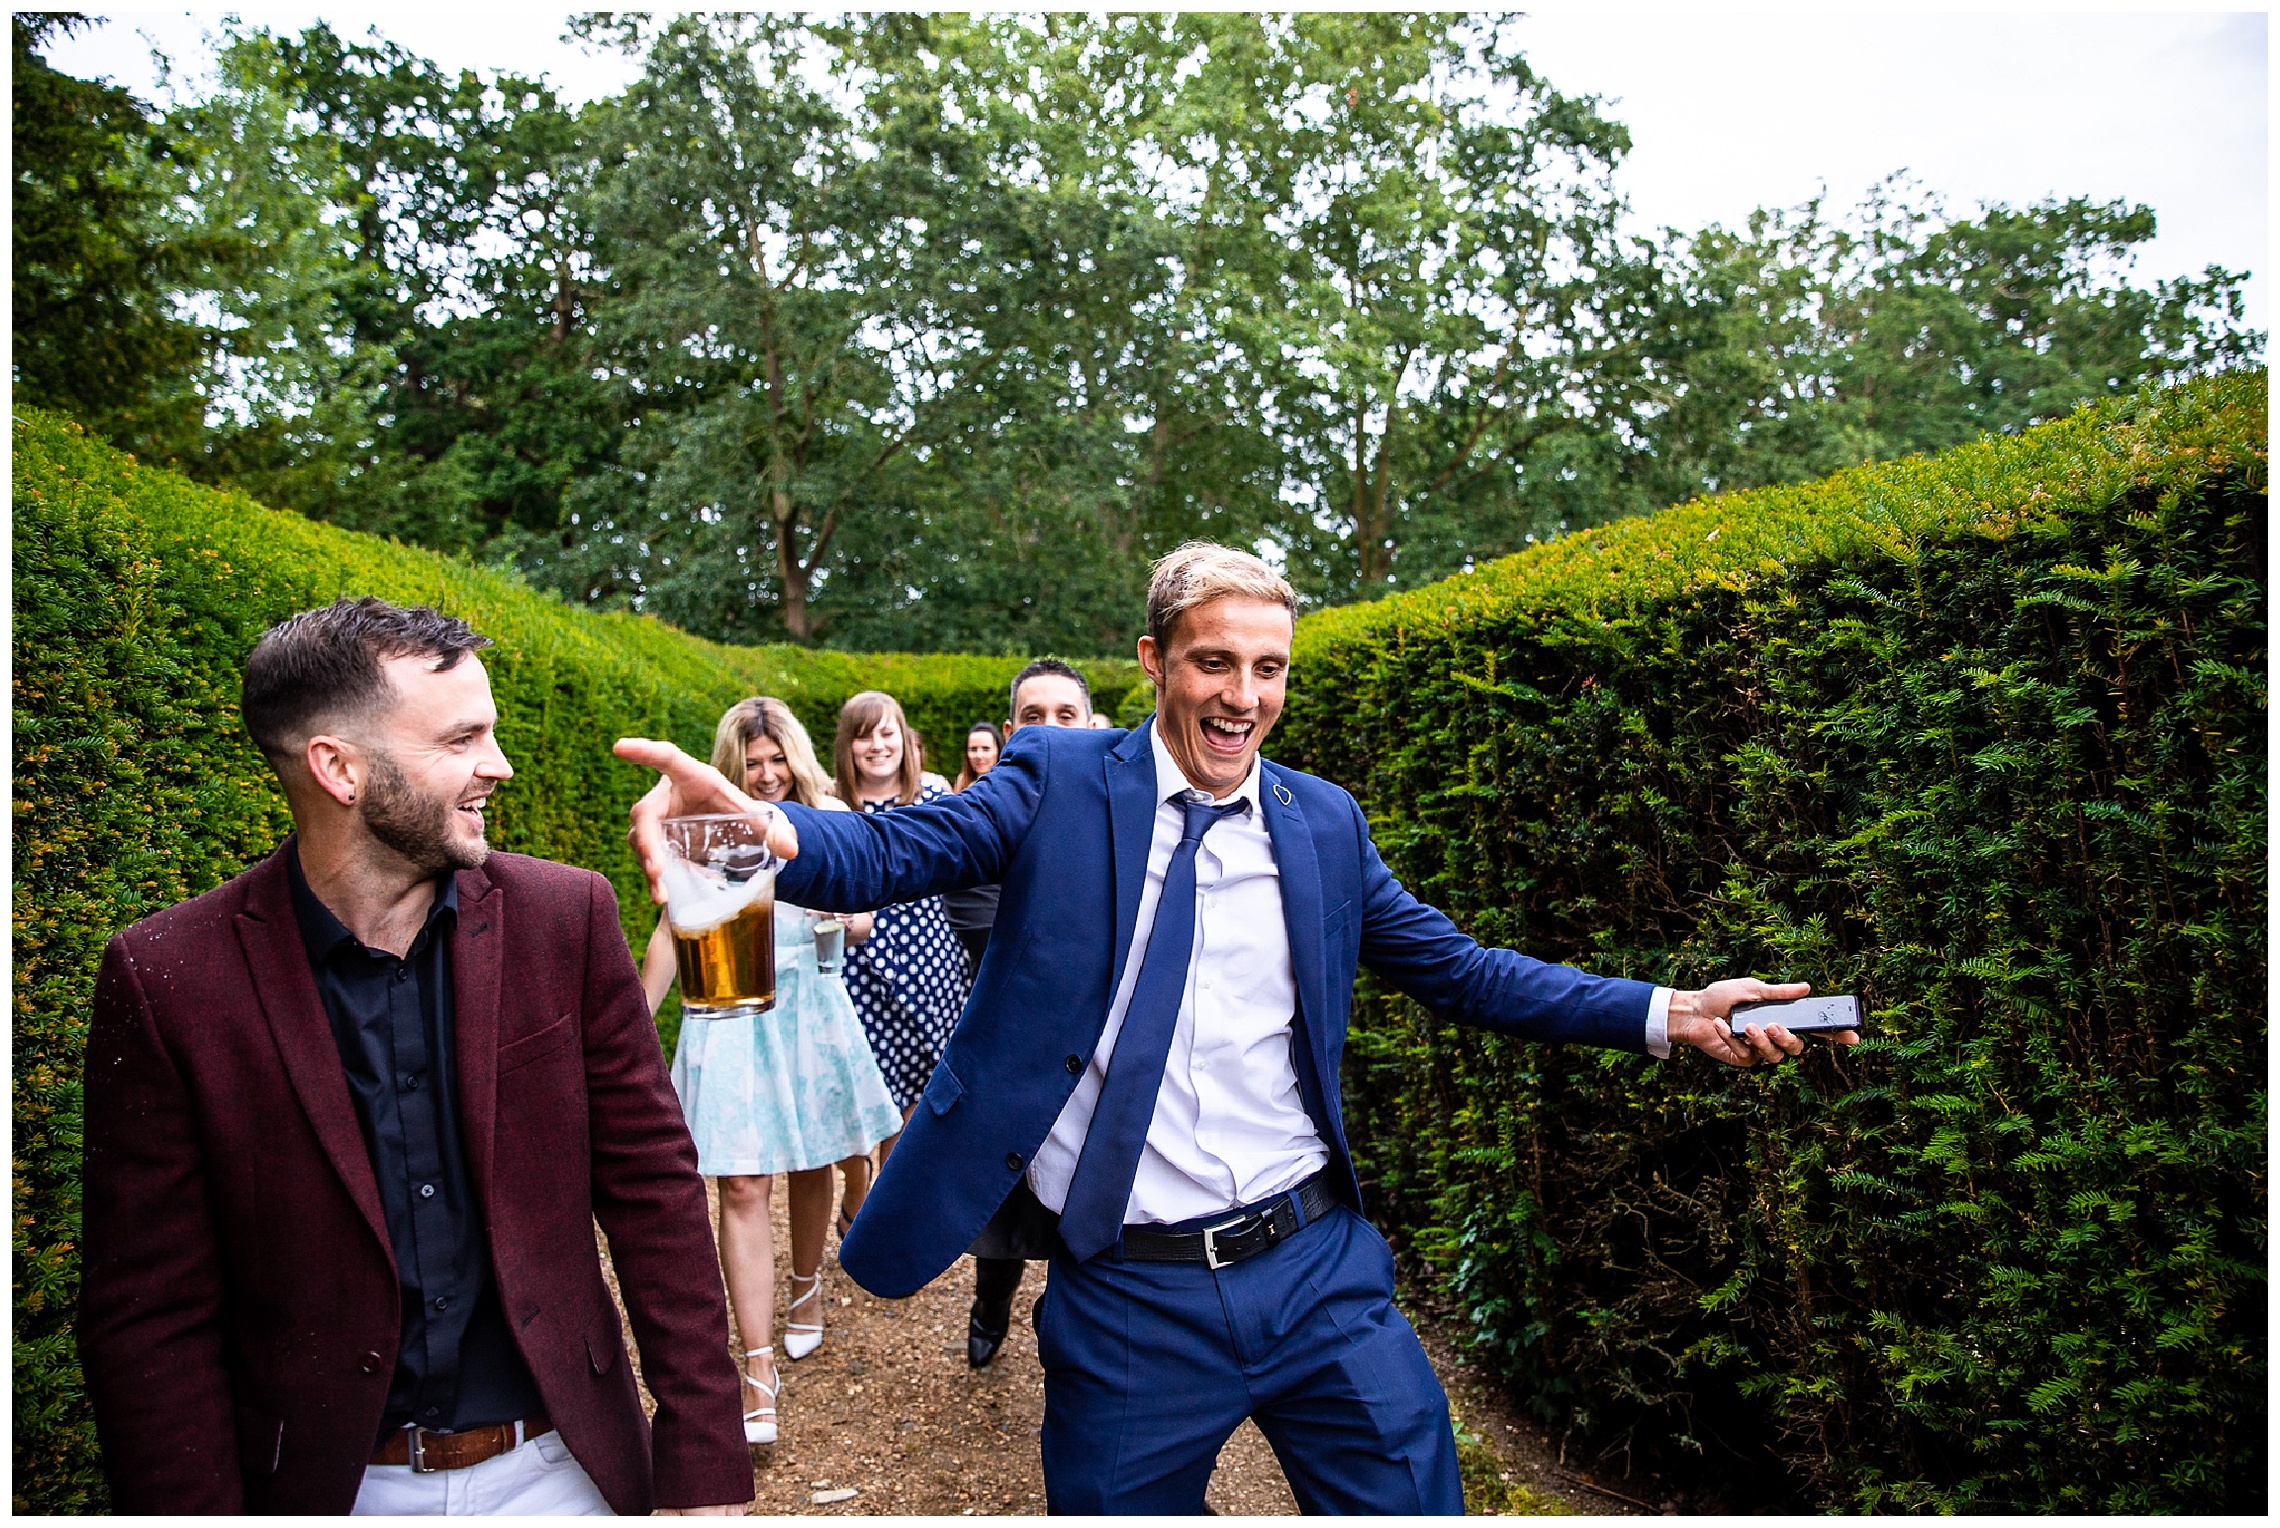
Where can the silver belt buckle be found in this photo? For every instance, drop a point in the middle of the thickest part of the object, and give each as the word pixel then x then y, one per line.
pixel 1211 1247
pixel 420 1466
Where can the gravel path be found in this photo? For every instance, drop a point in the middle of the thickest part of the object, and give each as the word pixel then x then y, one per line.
pixel 885 1417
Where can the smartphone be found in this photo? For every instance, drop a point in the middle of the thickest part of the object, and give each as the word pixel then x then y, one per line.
pixel 1799 1015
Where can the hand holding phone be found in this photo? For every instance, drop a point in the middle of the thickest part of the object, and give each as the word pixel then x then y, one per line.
pixel 1799 1015
pixel 1742 1021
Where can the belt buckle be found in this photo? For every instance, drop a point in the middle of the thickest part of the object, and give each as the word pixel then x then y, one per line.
pixel 418 1447
pixel 1211 1248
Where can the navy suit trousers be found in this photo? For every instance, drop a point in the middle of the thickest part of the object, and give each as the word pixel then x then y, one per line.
pixel 1149 1367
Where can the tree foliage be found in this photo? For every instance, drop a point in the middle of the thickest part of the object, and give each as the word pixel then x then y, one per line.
pixel 93 264
pixel 930 330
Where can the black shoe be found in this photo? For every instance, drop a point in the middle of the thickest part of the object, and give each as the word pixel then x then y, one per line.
pixel 983 1338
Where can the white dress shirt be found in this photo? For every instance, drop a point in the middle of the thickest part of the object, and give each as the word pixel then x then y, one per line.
pixel 1230 1127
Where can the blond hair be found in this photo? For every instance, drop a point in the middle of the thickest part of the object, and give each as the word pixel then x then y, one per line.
pixel 766 716
pixel 1198 572
pixel 859 718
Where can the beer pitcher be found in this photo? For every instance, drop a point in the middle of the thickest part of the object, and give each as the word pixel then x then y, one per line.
pixel 720 901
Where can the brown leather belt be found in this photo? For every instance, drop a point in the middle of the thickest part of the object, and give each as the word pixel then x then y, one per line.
pixel 427 1451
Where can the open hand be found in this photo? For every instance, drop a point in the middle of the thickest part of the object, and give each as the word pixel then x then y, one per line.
pixel 1700 1019
pixel 686 786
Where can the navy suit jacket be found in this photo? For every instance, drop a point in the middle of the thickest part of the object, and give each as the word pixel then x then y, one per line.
pixel 1064 823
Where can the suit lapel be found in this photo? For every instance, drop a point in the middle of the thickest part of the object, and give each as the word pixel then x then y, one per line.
pixel 477 971
pixel 1300 875
pixel 270 936
pixel 1131 772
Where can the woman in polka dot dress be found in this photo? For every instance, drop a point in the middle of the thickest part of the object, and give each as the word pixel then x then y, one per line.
pixel 909 979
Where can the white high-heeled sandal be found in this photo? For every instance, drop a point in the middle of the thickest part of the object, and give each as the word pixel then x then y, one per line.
pixel 760 1421
pixel 803 1337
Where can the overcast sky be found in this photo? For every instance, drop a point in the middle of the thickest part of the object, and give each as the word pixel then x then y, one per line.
pixel 1729 110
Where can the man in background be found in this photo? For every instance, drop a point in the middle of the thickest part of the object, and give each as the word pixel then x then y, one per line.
pixel 351 1118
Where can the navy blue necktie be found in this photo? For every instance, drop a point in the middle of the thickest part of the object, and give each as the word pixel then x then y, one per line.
pixel 1093 1217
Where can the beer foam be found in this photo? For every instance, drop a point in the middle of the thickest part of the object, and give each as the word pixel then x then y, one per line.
pixel 696 902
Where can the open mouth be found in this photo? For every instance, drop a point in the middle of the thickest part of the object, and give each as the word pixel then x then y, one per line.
pixel 1227 734
pixel 471 812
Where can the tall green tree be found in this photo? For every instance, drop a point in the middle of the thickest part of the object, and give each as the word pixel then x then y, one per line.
pixel 495 402
pixel 752 246
pixel 97 332
pixel 1805 343
pixel 290 383
pixel 1088 410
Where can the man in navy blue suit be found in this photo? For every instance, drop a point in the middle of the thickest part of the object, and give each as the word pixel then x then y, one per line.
pixel 1152 1046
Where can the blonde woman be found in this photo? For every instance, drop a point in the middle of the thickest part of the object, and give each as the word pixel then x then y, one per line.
pixel 792 1090
pixel 909 982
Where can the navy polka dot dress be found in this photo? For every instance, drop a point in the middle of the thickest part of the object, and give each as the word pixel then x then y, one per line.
pixel 909 983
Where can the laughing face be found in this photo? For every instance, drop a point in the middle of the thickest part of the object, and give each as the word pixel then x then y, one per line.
pixel 879 759
pixel 434 760
pixel 767 772
pixel 1219 687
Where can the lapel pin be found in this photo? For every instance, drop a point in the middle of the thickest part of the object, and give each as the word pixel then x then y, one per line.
pixel 1281 795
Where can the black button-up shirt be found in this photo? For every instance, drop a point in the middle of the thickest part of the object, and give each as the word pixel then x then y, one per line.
pixel 456 1361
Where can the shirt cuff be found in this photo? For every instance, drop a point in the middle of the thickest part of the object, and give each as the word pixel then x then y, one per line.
pixel 1658 1023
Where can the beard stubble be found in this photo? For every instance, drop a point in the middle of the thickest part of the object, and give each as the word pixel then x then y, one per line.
pixel 415 825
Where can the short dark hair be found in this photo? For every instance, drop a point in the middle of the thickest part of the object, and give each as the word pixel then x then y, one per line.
pixel 1036 667
pixel 326 663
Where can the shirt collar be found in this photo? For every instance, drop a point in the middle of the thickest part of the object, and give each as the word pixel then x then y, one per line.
pixel 323 933
pixel 1170 781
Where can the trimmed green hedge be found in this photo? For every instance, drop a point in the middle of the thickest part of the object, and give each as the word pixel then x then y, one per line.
pixel 1981 738
pixel 137 595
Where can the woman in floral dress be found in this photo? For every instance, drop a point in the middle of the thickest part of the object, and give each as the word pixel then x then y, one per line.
pixel 792 1090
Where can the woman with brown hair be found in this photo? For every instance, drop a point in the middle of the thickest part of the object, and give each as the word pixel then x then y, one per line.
pixel 983 745
pixel 791 1091
pixel 909 980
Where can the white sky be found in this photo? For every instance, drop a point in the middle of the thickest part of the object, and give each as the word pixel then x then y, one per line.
pixel 1729 110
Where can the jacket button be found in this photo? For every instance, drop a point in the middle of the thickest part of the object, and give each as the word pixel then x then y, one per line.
pixel 1072 1064
pixel 369 1363
pixel 1013 1161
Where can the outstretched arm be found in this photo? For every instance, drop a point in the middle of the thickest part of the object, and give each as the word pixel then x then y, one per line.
pixel 855 859
pixel 1417 950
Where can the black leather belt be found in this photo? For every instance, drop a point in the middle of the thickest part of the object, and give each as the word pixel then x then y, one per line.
pixel 1246 1233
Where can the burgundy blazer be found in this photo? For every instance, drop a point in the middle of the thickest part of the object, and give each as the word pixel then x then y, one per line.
pixel 238 1311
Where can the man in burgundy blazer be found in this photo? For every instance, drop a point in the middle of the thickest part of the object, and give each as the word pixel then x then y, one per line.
pixel 242 1305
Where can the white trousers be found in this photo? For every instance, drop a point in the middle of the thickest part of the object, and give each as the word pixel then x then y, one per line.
pixel 540 1479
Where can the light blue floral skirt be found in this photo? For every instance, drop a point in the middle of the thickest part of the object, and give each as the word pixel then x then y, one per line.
pixel 789 1089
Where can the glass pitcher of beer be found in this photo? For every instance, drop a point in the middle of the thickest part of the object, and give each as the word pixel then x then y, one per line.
pixel 720 901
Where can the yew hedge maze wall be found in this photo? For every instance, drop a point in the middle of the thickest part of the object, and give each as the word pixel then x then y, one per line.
pixel 137 595
pixel 1980 738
